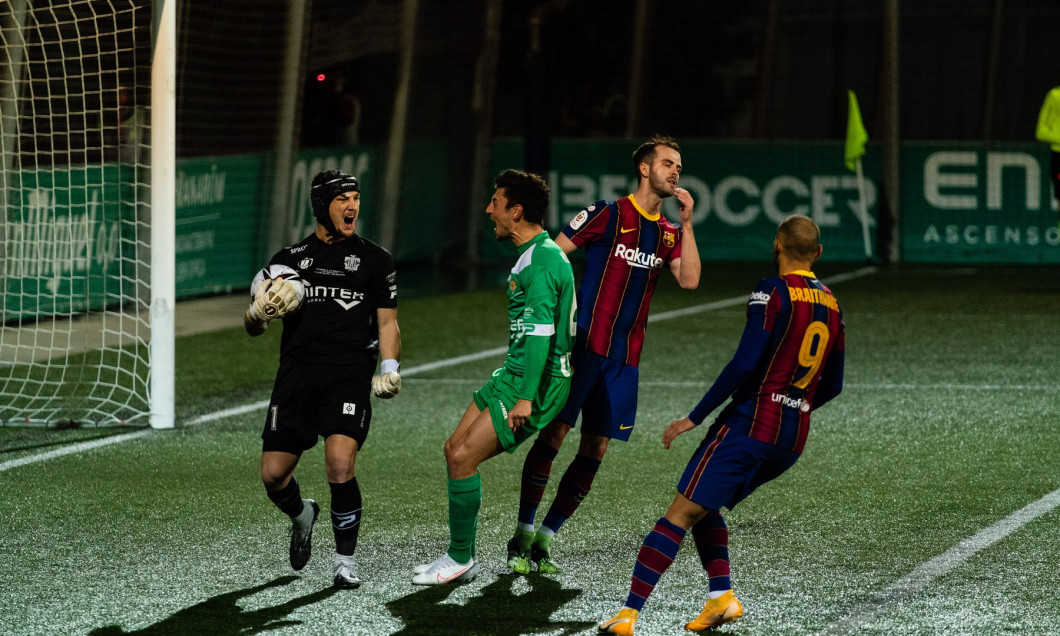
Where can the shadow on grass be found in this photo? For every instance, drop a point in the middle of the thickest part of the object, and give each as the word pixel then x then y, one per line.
pixel 221 615
pixel 496 610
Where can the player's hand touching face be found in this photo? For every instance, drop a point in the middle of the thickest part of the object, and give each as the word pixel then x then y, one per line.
pixel 344 210
pixel 685 203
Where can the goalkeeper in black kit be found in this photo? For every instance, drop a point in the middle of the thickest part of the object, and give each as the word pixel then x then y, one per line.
pixel 336 294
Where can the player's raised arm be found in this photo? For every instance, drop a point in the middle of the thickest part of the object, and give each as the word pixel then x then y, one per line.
pixel 686 268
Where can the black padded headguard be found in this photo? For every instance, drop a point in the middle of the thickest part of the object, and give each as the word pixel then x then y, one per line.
pixel 326 186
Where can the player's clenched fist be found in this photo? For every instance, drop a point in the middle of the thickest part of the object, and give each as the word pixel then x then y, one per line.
pixel 386 385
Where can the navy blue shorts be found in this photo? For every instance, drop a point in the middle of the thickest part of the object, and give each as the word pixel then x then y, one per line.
pixel 728 466
pixel 604 392
pixel 314 400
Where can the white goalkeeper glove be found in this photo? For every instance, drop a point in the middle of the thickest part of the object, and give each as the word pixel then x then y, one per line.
pixel 274 298
pixel 387 384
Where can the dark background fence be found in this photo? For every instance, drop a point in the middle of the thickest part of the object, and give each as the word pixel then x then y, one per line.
pixel 969 70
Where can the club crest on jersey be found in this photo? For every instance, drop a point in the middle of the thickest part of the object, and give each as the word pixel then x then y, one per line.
pixel 352 263
pixel 305 263
pixel 668 239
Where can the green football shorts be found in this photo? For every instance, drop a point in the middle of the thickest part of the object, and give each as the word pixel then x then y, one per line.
pixel 499 395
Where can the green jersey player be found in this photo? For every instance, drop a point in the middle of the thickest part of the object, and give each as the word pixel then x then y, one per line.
pixel 528 392
pixel 540 303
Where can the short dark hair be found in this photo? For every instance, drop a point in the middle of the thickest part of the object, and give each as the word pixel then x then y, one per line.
pixel 646 152
pixel 526 189
pixel 799 236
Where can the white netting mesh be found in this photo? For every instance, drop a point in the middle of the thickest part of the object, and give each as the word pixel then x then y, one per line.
pixel 74 243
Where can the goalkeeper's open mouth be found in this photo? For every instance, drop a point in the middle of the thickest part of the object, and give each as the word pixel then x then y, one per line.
pixel 349 222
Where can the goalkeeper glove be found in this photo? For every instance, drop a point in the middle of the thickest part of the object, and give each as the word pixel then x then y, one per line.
pixel 387 384
pixel 274 298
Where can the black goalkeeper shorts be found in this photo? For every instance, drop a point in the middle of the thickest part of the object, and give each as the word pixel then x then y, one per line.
pixel 316 400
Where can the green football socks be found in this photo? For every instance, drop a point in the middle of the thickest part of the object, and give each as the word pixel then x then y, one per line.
pixel 465 498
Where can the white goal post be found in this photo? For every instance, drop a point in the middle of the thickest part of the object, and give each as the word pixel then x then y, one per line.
pixel 86 212
pixel 163 215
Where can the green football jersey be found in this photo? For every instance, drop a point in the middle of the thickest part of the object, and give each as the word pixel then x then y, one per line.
pixel 541 304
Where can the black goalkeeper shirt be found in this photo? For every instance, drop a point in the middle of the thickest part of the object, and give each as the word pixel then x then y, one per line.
pixel 345 283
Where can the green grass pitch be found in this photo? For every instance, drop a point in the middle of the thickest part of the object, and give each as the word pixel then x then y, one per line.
pixel 948 427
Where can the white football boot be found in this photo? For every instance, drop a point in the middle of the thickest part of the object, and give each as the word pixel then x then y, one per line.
pixel 346 573
pixel 444 570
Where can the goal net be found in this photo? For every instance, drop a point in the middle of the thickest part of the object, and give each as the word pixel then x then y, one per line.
pixel 75 242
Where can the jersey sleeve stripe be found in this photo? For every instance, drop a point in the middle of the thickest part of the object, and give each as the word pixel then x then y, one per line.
pixel 540 330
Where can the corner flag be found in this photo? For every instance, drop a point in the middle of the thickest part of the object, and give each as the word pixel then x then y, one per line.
pixel 856 134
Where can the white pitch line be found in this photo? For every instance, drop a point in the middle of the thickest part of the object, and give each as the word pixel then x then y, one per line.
pixel 742 300
pixel 235 410
pixel 958 387
pixel 922 576
pixel 73 448
pixel 451 362
pixel 430 366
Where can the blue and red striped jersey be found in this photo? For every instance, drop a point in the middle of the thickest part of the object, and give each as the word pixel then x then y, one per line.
pixel 789 362
pixel 625 249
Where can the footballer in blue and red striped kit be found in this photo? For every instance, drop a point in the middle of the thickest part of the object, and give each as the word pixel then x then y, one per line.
pixel 625 249
pixel 789 362
pixel 627 244
pixel 791 320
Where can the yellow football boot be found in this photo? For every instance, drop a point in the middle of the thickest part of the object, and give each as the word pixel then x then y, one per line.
pixel 717 611
pixel 621 623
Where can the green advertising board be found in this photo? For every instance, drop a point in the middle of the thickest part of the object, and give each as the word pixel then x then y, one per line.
pixel 970 203
pixel 975 203
pixel 219 203
pixel 68 233
pixel 741 192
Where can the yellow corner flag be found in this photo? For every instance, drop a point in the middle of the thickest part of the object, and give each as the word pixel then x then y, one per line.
pixel 856 134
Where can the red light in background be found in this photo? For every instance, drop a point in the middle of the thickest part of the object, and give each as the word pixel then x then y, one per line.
pixel 321 77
